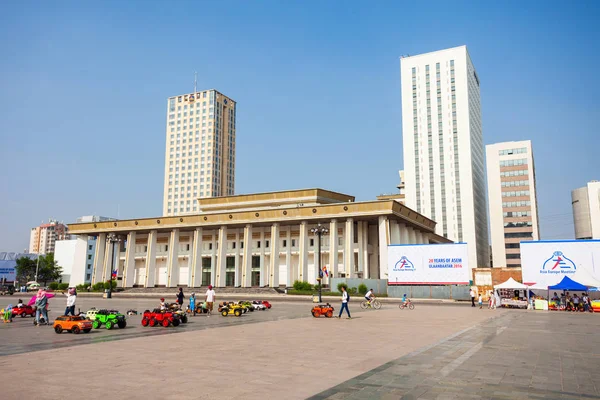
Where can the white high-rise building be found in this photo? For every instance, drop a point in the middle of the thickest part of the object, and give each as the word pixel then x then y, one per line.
pixel 443 146
pixel 513 200
pixel 586 211
pixel 200 150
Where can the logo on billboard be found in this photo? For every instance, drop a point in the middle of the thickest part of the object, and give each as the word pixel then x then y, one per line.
pixel 404 264
pixel 558 264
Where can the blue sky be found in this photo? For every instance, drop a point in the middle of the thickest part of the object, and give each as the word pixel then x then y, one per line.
pixel 83 89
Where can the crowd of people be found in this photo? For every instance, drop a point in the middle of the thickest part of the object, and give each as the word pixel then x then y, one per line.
pixel 569 302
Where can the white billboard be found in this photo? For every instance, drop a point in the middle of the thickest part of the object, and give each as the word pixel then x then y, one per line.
pixel 545 263
pixel 428 264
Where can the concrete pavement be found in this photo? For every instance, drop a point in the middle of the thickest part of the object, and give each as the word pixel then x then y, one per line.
pixel 289 358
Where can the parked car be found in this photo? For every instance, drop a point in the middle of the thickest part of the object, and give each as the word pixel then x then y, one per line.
pixel 7 290
pixel 73 324
pixel 266 303
pixel 176 309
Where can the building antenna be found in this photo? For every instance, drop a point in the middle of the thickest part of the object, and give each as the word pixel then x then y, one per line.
pixel 195 82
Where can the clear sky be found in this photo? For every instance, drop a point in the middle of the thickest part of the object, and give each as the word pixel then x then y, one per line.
pixel 84 88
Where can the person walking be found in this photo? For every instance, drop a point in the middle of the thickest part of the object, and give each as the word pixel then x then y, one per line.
pixel 71 298
pixel 41 304
pixel 480 301
pixel 345 299
pixel 210 298
pixel 180 297
pixel 472 294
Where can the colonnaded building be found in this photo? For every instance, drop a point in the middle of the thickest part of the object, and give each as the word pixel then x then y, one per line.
pixel 255 240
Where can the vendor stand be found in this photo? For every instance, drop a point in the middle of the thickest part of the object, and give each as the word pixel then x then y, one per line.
pixel 564 285
pixel 512 294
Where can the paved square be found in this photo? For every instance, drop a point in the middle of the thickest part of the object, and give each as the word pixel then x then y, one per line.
pixel 432 352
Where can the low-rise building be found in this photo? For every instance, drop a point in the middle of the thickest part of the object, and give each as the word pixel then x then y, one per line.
pixel 258 239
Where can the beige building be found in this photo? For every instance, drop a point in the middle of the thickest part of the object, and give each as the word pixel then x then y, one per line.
pixel 200 150
pixel 42 238
pixel 512 199
pixel 259 239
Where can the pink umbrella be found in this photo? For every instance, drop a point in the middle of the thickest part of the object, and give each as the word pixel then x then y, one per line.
pixel 32 300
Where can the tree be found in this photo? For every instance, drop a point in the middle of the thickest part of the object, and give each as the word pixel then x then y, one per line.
pixel 25 269
pixel 49 270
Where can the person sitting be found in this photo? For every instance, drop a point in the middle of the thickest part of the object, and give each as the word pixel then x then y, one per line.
pixel 20 303
pixel 369 296
pixel 555 297
pixel 404 299
pixel 163 305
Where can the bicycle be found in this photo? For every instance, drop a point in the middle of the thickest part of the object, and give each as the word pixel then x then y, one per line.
pixel 408 305
pixel 376 304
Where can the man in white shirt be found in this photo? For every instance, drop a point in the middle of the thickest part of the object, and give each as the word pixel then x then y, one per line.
pixel 472 294
pixel 344 303
pixel 210 299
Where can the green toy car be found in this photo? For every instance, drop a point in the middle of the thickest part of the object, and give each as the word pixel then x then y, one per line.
pixel 109 318
pixel 247 305
pixel 175 309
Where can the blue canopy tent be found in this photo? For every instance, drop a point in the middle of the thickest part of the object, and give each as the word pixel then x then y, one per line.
pixel 568 284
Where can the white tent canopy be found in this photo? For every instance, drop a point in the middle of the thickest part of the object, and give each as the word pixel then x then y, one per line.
pixel 511 284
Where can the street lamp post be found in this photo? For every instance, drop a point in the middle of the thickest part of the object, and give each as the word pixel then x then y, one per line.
pixel 319 231
pixel 112 239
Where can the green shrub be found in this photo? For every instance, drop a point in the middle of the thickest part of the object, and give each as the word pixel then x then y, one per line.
pixel 299 285
pixel 342 285
pixel 362 288
pixel 63 286
pixel 81 287
pixel 98 287
pixel 110 285
pixel 353 290
pixel 53 286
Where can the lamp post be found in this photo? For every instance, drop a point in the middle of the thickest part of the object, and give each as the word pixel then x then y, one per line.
pixel 319 231
pixel 112 239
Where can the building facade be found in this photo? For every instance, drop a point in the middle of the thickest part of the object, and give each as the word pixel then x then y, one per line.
pixel 513 200
pixel 586 211
pixel 200 150
pixel 43 238
pixel 443 146
pixel 257 240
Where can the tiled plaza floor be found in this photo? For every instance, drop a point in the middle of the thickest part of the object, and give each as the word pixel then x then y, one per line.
pixel 518 355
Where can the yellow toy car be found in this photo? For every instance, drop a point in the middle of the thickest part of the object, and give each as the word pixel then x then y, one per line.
pixel 232 309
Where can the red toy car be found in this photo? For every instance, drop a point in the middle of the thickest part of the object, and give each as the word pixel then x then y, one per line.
pixel 158 317
pixel 322 309
pixel 266 303
pixel 23 311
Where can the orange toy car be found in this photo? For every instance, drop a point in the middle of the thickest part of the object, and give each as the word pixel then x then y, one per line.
pixel 72 324
pixel 322 309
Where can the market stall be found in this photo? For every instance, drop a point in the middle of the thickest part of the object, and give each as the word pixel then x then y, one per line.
pixel 565 284
pixel 512 294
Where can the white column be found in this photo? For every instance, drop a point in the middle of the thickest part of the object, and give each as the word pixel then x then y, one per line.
pixel 333 249
pixel 426 238
pixel 264 270
pixel 394 232
pixel 109 257
pixel 365 249
pixel 411 235
pixel 374 255
pixel 222 259
pixel 288 257
pixel 129 269
pixel 404 239
pixel 349 248
pixel 361 246
pixel 196 266
pixel 151 259
pixel 274 258
pixel 303 264
pixel 173 259
pixel 247 265
pixel 99 258
pixel 213 259
pixel 383 248
pixel 238 271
